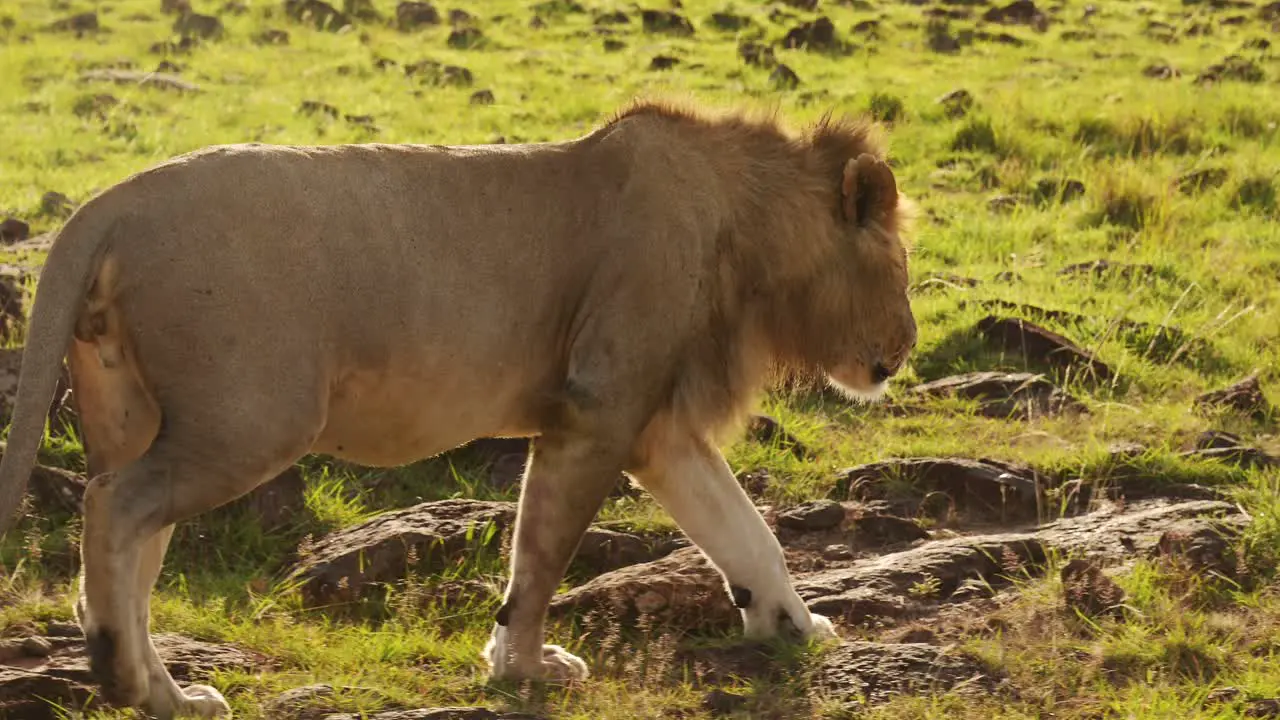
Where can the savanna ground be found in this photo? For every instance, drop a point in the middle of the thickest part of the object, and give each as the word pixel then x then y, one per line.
pixel 1135 132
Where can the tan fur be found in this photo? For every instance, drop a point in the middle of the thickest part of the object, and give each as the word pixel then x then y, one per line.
pixel 618 296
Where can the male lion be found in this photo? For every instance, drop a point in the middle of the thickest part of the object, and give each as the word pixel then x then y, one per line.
pixel 618 296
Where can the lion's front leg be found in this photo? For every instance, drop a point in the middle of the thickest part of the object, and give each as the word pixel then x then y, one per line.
pixel 692 481
pixel 564 487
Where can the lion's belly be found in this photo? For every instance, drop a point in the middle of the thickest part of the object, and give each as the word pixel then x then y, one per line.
pixel 380 420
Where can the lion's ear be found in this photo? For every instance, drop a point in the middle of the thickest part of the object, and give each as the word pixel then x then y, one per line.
pixel 868 191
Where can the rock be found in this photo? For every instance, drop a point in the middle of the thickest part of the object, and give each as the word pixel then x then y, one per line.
pixel 665 21
pixel 465 38
pixel 1024 396
pixel 415 15
pixel 1233 67
pixel 729 22
pixel 272 36
pixel 55 204
pixel 986 488
pixel 616 17
pixel 273 504
pixel 614 45
pixel 1266 708
pixel 768 431
pixel 1200 549
pixel 869 28
pixel 424 538
pixel 1088 591
pixel 911 583
pixel 1230 448
pixel 806 5
pixel 869 673
pixel 203 27
pixel 79 23
pixel 879 529
pixel 941 281
pixel 1054 190
pixel 318 13
pixel 54 490
pixel 1040 345
pixel 818 35
pixel 361 10
pixel 37 647
pixel 663 62
pixel 1244 396
pixel 1019 12
pixel 316 702
pixel 484 97
pixel 957 103
pixel 439 74
pixel 603 550
pixel 753 53
pixel 683 591
pixel 163 81
pixel 1003 204
pixel 679 591
pixel 315 107
pixel 1108 268
pixel 939 39
pixel 719 703
pixel 33 688
pixel 1203 179
pixel 784 78
pixel 13 230
pixel 812 516
pixel 1161 71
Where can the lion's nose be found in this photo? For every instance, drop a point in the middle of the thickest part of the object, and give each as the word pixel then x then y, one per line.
pixel 881 372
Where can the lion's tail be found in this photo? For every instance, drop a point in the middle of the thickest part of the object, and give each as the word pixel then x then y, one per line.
pixel 68 273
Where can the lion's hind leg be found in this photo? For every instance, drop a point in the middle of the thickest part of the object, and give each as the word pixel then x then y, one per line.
pixel 691 480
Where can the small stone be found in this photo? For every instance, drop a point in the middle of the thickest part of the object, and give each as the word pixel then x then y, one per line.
pixel 753 53
pixel 719 703
pixel 204 27
pixel 37 647
pixel 812 516
pixel 482 97
pixel 837 553
pixel 784 78
pixel 272 36
pixel 414 15
pixel 614 45
pixel 79 23
pixel 663 62
pixel 13 230
pixel 663 21
pixel 465 38
pixel 1267 708
pixel 55 204
pixel 957 103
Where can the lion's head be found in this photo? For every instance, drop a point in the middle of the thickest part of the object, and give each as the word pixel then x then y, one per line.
pixel 871 326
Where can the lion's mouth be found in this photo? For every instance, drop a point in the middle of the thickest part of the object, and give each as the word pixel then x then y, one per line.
pixel 870 393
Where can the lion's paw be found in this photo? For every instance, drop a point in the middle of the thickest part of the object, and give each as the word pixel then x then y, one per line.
pixel 822 628
pixel 556 664
pixel 202 701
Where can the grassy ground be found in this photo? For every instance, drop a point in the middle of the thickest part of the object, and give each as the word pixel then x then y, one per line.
pixel 1070 103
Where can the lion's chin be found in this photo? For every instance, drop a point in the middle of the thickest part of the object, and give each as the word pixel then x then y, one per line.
pixel 873 394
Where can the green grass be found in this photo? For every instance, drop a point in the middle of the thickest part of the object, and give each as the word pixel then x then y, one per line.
pixel 1176 174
